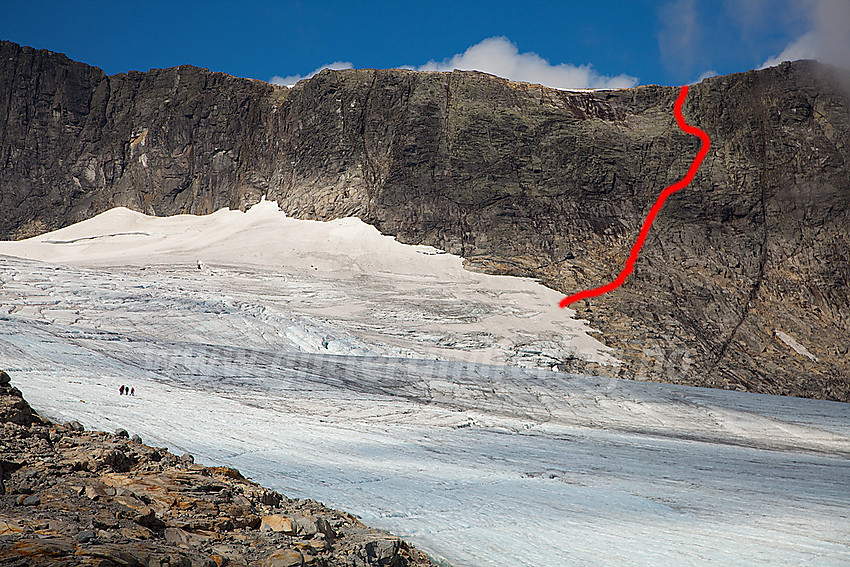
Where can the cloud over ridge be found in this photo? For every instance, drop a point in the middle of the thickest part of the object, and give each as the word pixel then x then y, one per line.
pixel 500 56
pixel 290 80
pixel 828 40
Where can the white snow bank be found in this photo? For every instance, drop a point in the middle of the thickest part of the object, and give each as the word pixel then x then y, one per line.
pixel 263 237
pixel 344 273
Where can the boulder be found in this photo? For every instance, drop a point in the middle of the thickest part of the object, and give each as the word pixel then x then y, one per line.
pixel 98 490
pixel 147 517
pixel 305 527
pixel 114 459
pixel 84 536
pixel 325 528
pixel 177 536
pixel 283 558
pixel 29 500
pixel 383 551
pixel 277 523
pixel 270 498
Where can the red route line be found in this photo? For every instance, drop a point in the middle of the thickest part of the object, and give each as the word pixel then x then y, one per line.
pixel 653 212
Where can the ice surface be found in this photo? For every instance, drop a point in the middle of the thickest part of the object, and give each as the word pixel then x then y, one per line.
pixel 282 282
pixel 318 380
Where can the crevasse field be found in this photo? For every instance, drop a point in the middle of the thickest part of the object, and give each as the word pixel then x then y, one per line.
pixel 329 362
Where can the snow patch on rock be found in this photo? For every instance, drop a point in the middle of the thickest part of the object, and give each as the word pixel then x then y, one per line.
pixel 794 345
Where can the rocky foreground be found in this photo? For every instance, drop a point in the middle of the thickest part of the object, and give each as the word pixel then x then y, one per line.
pixel 75 497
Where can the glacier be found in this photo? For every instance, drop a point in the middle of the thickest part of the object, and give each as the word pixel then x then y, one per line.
pixel 327 361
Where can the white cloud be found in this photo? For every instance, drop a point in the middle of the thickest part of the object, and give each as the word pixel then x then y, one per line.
pixel 499 56
pixel 804 47
pixel 829 39
pixel 706 75
pixel 679 37
pixel 292 79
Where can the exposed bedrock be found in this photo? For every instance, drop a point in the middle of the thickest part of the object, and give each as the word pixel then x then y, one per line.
pixel 743 283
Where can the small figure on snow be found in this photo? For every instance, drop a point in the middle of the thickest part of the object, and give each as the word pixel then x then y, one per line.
pixel 132 391
pixel 121 391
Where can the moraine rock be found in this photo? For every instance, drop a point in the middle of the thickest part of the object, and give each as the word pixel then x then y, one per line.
pixel 284 558
pixel 277 523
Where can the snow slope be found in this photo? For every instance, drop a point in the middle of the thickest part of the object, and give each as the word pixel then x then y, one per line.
pixel 295 278
pixel 309 366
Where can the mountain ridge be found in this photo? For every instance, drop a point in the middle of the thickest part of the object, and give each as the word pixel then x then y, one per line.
pixel 518 179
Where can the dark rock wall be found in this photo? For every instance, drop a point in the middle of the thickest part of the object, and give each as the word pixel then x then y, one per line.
pixel 517 178
pixel 74 142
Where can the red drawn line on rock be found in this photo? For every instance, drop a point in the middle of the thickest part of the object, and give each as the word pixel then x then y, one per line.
pixel 653 212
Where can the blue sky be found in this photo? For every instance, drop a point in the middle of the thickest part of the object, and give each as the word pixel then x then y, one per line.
pixel 561 43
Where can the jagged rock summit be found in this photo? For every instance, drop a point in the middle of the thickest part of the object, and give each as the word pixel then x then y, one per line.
pixel 743 283
pixel 75 497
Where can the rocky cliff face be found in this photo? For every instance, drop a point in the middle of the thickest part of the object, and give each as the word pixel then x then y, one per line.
pixel 745 279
